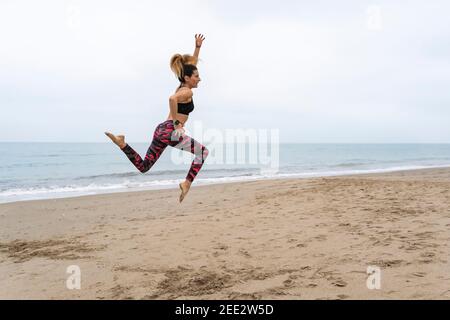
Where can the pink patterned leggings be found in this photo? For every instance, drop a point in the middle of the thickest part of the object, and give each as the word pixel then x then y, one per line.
pixel 162 138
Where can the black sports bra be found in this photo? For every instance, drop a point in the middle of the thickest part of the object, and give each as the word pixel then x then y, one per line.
pixel 186 108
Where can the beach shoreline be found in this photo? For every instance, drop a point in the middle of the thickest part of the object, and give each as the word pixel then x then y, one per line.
pixel 289 238
pixel 200 183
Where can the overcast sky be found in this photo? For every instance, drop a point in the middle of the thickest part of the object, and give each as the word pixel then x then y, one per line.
pixel 322 71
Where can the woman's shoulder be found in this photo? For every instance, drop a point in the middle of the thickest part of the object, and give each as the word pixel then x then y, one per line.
pixel 184 93
pixel 183 88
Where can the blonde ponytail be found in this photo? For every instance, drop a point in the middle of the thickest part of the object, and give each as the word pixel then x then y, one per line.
pixel 177 63
pixel 188 59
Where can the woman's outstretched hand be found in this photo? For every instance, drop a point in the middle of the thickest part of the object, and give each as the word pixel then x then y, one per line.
pixel 199 40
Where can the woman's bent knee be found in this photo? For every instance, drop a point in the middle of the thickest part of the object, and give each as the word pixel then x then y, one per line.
pixel 144 168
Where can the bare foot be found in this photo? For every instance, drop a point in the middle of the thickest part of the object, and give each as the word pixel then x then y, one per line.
pixel 118 140
pixel 184 186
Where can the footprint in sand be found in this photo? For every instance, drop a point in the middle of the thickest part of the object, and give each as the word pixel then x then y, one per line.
pixel 245 253
pixel 320 237
pixel 221 246
pixel 339 283
pixel 244 296
pixel 387 263
pixel 289 283
pixel 428 255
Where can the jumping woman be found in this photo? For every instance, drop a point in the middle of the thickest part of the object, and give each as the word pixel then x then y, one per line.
pixel 171 132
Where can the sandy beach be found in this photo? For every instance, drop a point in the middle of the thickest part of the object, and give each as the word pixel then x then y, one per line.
pixel 274 239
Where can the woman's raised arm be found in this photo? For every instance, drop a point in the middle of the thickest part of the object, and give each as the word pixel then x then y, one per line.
pixel 198 43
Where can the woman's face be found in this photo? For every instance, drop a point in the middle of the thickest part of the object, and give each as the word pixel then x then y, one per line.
pixel 194 79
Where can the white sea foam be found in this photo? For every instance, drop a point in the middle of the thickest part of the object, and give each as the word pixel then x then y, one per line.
pixel 50 192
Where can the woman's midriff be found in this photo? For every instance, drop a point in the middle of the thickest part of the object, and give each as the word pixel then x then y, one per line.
pixel 180 117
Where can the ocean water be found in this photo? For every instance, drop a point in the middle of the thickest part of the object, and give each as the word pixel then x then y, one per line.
pixel 52 170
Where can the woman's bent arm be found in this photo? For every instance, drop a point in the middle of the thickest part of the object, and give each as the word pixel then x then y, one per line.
pixel 173 103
